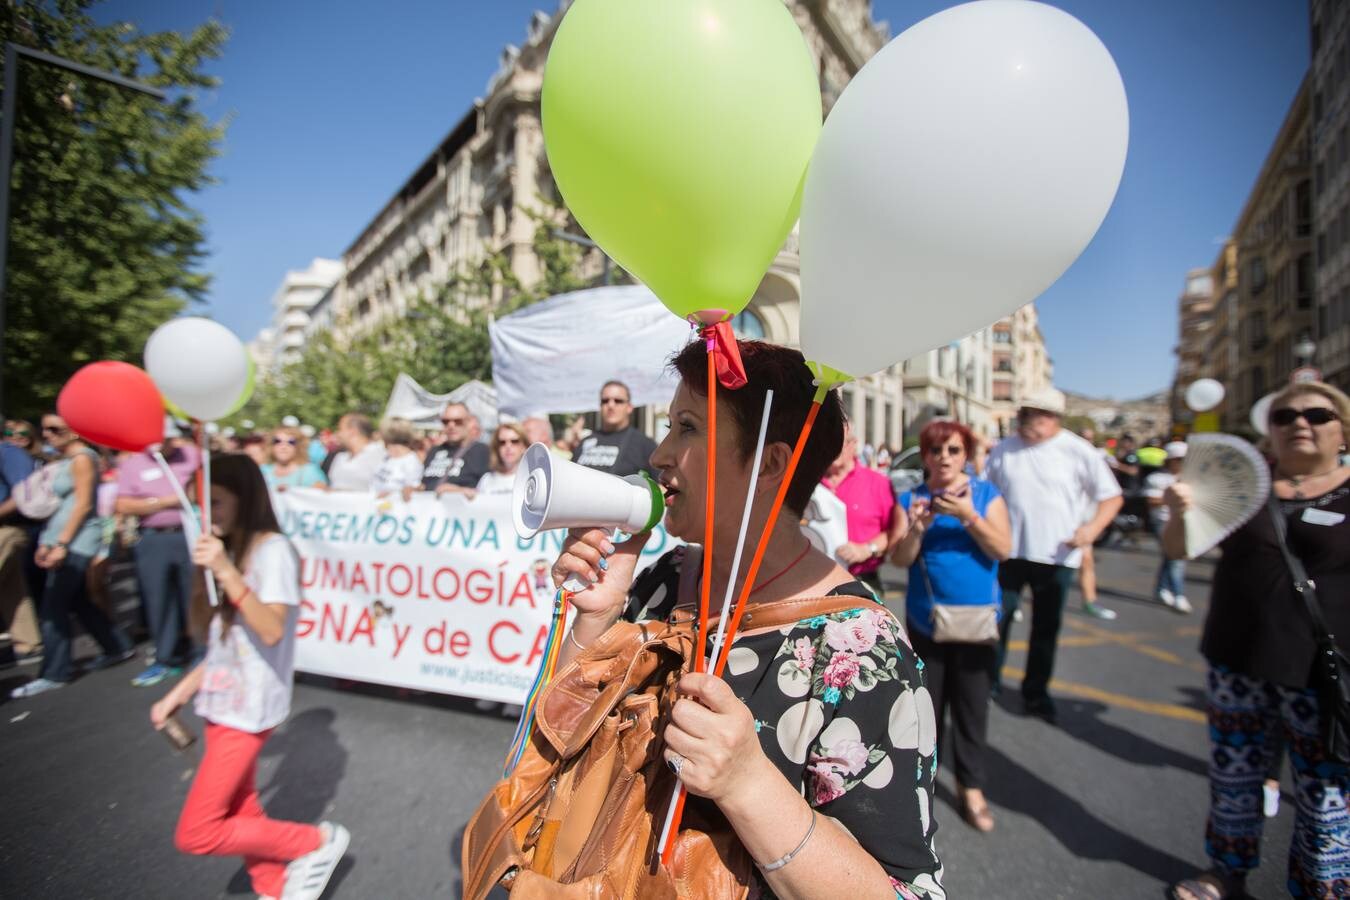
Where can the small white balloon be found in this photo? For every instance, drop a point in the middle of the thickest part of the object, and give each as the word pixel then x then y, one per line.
pixel 212 428
pixel 307 430
pixel 1260 415
pixel 962 171
pixel 1204 394
pixel 199 365
pixel 248 424
pixel 290 422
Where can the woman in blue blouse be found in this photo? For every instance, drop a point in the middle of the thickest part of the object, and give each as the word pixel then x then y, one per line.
pixel 290 465
pixel 956 530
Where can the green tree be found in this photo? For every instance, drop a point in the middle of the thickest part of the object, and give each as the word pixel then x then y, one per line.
pixel 104 246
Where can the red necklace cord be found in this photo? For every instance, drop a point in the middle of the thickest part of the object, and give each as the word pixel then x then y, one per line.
pixel 800 556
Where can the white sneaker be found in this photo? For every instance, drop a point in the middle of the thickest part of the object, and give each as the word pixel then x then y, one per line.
pixel 1270 801
pixel 1181 604
pixel 1017 614
pixel 307 876
pixel 35 687
pixel 1166 597
pixel 486 705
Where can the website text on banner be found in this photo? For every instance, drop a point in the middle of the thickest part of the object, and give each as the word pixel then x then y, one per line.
pixel 437 594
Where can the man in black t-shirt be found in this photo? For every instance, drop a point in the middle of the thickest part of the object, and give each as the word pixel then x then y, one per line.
pixel 1127 464
pixel 456 465
pixel 617 448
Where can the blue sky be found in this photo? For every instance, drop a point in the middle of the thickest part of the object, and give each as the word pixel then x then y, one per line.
pixel 333 104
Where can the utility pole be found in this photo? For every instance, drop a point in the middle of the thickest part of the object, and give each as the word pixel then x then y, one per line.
pixel 12 54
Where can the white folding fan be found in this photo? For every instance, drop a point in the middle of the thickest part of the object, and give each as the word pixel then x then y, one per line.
pixel 1229 483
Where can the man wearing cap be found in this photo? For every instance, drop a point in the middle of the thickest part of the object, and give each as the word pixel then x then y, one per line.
pixel 1170 588
pixel 1060 496
pixel 163 561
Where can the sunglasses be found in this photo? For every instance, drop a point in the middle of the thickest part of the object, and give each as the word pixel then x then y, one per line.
pixel 453 421
pixel 613 401
pixel 1316 415
pixel 284 440
pixel 947 450
pixel 22 434
pixel 54 429
pixel 507 441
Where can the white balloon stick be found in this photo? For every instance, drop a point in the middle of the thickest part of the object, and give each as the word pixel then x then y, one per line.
pixel 190 529
pixel 731 589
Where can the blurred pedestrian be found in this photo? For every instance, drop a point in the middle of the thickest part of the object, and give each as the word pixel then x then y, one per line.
pixel 1262 647
pixel 163 559
pixel 873 522
pixel 23 435
pixel 618 448
pixel 252 445
pixel 538 430
pixel 1087 569
pixel 17 537
pixel 67 545
pixel 456 464
pixel 401 471
pixel 1060 495
pixel 956 532
pixel 1170 587
pixel 243 691
pixel 508 447
pixel 354 465
pixel 289 464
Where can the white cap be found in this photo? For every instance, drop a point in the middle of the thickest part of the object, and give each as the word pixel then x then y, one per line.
pixel 291 422
pixel 1049 400
pixel 171 429
pixel 307 430
pixel 1175 449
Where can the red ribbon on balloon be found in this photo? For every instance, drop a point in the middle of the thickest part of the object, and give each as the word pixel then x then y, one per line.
pixel 726 354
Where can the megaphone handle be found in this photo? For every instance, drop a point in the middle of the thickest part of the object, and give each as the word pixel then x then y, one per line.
pixel 575 584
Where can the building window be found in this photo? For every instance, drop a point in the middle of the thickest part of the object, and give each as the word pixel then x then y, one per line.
pixel 1303 281
pixel 363 308
pixel 1258 275
pixel 1303 209
pixel 748 326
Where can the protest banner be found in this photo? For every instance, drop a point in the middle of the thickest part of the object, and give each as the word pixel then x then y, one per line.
pixel 438 593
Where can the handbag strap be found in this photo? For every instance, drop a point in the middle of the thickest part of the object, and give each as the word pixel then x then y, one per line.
pixel 1304 586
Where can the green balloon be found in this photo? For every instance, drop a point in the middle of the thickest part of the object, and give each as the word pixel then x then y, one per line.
pixel 247 392
pixel 679 135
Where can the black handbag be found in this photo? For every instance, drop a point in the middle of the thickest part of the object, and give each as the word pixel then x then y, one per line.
pixel 1331 669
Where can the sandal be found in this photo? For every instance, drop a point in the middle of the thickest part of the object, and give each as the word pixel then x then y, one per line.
pixel 1206 886
pixel 977 814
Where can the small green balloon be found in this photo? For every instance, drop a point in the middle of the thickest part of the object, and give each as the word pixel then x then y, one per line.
pixel 176 411
pixel 679 134
pixel 247 392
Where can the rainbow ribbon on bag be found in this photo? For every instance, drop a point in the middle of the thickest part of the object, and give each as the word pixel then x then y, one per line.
pixel 552 649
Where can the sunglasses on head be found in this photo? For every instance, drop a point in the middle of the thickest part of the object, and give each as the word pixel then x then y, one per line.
pixel 285 440
pixel 1315 415
pixel 950 450
pixel 612 401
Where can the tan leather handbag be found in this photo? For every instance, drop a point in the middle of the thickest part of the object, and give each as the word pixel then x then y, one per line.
pixel 581 814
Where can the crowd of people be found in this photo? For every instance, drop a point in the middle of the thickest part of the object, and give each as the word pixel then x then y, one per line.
pixel 985 525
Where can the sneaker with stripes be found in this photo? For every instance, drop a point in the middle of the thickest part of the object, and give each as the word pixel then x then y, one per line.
pixel 307 876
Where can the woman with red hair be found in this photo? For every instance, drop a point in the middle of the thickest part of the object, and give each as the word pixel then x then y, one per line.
pixel 956 530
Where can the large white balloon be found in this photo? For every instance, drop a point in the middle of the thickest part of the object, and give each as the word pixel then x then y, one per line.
pixel 199 365
pixel 962 170
pixel 1204 394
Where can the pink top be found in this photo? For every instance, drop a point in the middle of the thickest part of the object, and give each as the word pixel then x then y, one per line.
pixel 868 496
pixel 140 477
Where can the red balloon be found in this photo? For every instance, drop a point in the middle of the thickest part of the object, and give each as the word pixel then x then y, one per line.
pixel 113 404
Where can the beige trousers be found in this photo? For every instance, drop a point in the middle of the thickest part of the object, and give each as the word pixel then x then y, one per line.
pixel 17 615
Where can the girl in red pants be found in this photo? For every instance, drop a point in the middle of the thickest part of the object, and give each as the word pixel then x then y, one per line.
pixel 243 691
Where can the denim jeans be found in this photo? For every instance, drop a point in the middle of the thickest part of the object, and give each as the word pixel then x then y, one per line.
pixel 164 569
pixel 66 595
pixel 1171 577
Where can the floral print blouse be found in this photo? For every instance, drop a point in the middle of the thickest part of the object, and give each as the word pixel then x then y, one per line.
pixel 841 709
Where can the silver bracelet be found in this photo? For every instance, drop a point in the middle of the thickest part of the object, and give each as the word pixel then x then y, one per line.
pixel 784 860
pixel 572 636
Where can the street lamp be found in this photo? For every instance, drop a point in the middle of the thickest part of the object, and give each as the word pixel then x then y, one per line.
pixel 12 54
pixel 1305 350
pixel 561 235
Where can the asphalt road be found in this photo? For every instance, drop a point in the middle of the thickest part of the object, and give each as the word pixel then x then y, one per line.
pixel 1109 803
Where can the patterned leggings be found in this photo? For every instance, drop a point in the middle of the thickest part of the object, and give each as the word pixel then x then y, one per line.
pixel 1243 711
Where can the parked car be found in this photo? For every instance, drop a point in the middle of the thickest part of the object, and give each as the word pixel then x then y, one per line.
pixel 906 471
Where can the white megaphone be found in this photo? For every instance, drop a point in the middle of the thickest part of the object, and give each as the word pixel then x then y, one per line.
pixel 553 493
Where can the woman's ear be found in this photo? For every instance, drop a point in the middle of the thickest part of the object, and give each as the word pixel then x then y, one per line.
pixel 773 466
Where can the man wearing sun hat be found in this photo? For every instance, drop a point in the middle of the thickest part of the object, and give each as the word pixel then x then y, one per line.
pixel 1170 588
pixel 1060 495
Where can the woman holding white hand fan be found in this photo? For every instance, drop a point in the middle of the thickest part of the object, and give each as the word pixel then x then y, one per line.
pixel 1261 643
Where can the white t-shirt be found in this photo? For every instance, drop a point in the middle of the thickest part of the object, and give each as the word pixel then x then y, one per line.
pixel 496 483
pixel 396 473
pixel 1155 486
pixel 247 684
pixel 1051 489
pixel 354 473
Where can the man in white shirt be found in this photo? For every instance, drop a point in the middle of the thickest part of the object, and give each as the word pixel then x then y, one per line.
pixel 1060 496
pixel 355 467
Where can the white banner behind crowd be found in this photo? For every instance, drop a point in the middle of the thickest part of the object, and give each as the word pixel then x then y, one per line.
pixel 409 400
pixel 437 594
pixel 554 356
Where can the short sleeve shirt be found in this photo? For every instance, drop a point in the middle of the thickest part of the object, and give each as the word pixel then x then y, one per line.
pixel 621 453
pixel 246 684
pixel 455 464
pixel 140 477
pixel 870 501
pixel 396 473
pixel 842 712
pixel 354 473
pixel 951 568
pixel 1051 489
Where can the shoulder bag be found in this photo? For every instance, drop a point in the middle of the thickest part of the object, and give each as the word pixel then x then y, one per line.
pixel 580 815
pixel 1331 670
